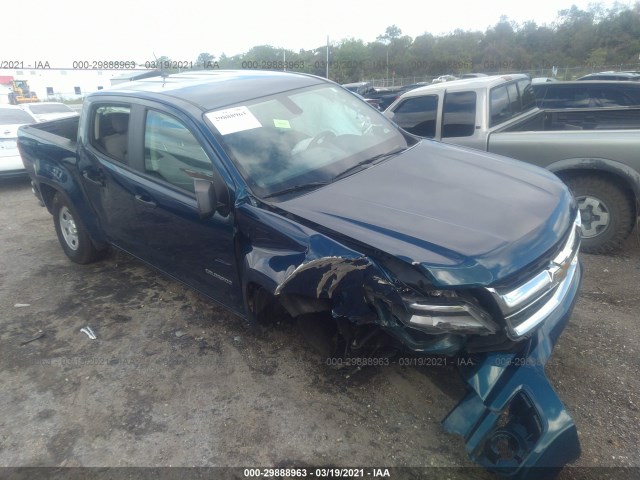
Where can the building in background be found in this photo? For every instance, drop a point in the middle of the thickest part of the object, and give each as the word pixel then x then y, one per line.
pixel 66 83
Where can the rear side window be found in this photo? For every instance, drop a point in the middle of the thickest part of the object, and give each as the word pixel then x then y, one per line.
pixel 499 105
pixel 514 98
pixel 418 115
pixel 527 95
pixel 459 114
pixel 510 100
pixel 172 153
pixel 110 131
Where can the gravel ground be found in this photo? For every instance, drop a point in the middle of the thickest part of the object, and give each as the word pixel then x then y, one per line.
pixel 173 380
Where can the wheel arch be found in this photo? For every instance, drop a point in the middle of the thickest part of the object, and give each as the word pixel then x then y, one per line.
pixel 48 191
pixel 623 175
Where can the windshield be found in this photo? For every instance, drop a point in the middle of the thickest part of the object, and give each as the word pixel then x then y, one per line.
pixel 302 137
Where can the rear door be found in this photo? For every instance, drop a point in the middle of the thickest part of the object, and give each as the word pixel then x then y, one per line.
pixel 459 114
pixel 107 176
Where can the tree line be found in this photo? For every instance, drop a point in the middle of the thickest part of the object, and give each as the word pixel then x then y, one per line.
pixel 579 41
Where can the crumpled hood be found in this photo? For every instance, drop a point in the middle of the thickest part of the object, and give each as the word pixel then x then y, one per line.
pixel 467 217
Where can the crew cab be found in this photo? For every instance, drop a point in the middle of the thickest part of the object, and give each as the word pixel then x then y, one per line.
pixel 279 192
pixel 594 150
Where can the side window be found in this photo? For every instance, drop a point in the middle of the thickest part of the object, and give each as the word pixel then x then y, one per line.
pixel 514 98
pixel 110 128
pixel 459 114
pixel 172 153
pixel 417 115
pixel 509 100
pixel 499 105
pixel 612 98
pixel 567 97
pixel 527 95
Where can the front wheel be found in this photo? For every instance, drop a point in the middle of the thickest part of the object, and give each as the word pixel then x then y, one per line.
pixel 607 212
pixel 72 233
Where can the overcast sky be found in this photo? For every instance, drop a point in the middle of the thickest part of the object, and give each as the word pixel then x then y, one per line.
pixel 63 31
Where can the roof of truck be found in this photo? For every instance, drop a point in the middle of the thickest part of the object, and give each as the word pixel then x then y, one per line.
pixel 215 88
pixel 466 84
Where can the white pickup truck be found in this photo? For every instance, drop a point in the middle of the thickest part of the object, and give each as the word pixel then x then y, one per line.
pixel 595 151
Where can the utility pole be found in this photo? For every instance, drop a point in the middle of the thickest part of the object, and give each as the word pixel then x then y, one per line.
pixel 327 62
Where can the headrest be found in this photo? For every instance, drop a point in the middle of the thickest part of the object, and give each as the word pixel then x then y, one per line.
pixel 120 122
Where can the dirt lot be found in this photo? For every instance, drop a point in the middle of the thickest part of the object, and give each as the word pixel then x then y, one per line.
pixel 174 380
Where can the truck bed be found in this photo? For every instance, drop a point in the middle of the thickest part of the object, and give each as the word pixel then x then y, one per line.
pixel 58 137
pixel 66 128
pixel 546 148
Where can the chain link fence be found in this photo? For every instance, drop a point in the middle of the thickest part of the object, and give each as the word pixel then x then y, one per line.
pixel 559 73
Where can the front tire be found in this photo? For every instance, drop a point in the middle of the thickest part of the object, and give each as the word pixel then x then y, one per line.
pixel 72 233
pixel 607 212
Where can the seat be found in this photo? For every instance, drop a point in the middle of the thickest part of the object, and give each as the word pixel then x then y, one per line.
pixel 115 145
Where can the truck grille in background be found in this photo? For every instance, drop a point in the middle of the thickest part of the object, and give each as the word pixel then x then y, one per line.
pixel 527 305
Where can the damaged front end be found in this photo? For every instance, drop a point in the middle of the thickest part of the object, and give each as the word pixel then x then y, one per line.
pixel 512 420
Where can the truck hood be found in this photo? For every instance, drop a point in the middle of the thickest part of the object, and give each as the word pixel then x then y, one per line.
pixel 466 217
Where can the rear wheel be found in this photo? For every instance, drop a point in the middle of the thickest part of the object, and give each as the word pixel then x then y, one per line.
pixel 72 233
pixel 607 212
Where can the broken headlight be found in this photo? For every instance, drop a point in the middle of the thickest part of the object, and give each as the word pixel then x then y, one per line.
pixel 448 311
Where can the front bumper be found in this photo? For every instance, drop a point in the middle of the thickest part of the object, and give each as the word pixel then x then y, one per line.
pixel 512 420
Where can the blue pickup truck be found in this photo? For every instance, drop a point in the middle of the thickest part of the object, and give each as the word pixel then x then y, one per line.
pixel 284 194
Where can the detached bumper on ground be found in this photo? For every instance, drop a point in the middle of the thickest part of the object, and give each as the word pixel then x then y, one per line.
pixel 512 420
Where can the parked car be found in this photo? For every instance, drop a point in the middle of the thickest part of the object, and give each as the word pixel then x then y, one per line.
pixel 595 151
pixel 587 94
pixel 623 76
pixel 472 75
pixel 380 98
pixel 46 111
pixel 281 192
pixel 444 78
pixel 537 80
pixel 374 102
pixel 361 88
pixel 11 117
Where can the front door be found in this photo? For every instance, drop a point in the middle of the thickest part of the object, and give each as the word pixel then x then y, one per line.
pixel 199 252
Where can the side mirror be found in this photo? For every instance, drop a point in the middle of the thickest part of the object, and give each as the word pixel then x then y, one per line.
pixel 212 196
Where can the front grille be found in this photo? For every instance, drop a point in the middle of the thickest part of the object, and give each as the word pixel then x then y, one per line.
pixel 528 304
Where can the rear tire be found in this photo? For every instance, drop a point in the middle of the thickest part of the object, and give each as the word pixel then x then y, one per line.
pixel 607 211
pixel 72 233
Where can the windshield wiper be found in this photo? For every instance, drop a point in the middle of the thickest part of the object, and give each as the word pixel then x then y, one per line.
pixel 368 161
pixel 297 188
pixel 313 185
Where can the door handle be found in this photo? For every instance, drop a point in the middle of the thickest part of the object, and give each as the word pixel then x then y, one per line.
pixel 95 177
pixel 146 200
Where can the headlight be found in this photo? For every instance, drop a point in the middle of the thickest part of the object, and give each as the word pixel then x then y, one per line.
pixel 446 311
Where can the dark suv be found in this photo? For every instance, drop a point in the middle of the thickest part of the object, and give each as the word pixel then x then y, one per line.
pixel 626 76
pixel 587 94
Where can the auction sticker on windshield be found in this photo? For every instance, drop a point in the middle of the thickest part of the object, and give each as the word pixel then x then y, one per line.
pixel 232 120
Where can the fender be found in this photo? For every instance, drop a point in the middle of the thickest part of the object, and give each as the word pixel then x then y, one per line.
pixel 307 270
